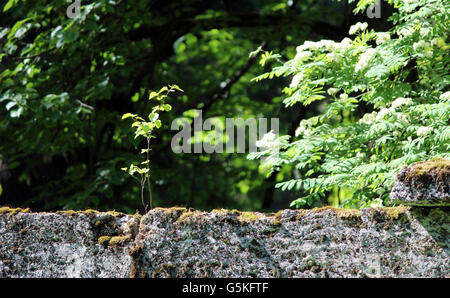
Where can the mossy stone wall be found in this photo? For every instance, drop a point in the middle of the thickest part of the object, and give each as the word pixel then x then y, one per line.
pixel 180 242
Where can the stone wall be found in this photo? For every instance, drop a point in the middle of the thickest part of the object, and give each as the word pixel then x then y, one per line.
pixel 179 242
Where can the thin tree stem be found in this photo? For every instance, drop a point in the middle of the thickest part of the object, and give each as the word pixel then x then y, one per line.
pixel 148 173
pixel 142 193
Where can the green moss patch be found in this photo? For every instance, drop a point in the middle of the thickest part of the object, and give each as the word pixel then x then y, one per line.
pixel 434 171
pixel 13 211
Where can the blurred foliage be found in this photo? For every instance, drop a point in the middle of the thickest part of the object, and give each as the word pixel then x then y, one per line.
pixel 65 83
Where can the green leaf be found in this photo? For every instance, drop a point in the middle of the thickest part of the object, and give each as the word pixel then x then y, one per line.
pixel 153 117
pixel 167 107
pixel 16 27
pixel 128 115
pixel 9 4
pixel 176 87
pixel 158 123
pixel 152 94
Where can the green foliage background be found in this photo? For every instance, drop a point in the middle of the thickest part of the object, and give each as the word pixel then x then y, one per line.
pixel 65 83
pixel 385 102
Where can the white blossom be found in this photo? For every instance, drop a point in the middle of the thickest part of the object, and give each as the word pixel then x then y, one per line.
pixel 334 57
pixel 357 27
pixel 382 37
pixel 310 45
pixel 307 132
pixel 296 80
pixel 383 113
pixel 329 45
pixel 365 59
pixel 405 32
pixel 344 45
pixel 420 45
pixel 268 140
pixel 332 91
pixel 343 96
pixel 424 130
pixel 445 96
pixel 303 129
pixel 403 118
pixel 360 155
pixel 368 118
pixel 401 102
pixel 302 56
pixel 439 42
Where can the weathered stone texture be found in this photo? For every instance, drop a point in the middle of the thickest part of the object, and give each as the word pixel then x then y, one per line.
pixel 62 245
pixel 321 243
pixel 179 242
pixel 425 183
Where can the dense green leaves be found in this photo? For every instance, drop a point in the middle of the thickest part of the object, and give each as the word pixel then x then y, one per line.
pixel 400 77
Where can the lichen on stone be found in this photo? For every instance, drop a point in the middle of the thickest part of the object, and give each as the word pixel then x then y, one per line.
pixel 117 240
pixel 13 211
pixel 425 183
pixel 104 240
pixel 434 171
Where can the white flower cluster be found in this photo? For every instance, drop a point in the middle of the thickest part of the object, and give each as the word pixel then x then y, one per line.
pixel 314 46
pixel 334 57
pixel 357 28
pixel 327 45
pixel 368 118
pixel 269 140
pixel 296 80
pixel 424 130
pixel 303 129
pixel 438 42
pixel 365 59
pixel 382 37
pixel 383 113
pixel 403 118
pixel 332 91
pixel 343 96
pixel 401 101
pixel 302 56
pixel 424 46
pixel 420 45
pixel 405 32
pixel 344 45
pixel 445 96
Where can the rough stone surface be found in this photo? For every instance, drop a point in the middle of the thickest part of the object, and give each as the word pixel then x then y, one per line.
pixel 423 184
pixel 326 242
pixel 179 242
pixel 63 245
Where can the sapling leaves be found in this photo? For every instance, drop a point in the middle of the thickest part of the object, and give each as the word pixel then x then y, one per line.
pixel 145 129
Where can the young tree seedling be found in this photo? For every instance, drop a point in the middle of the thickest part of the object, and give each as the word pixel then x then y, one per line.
pixel 145 129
